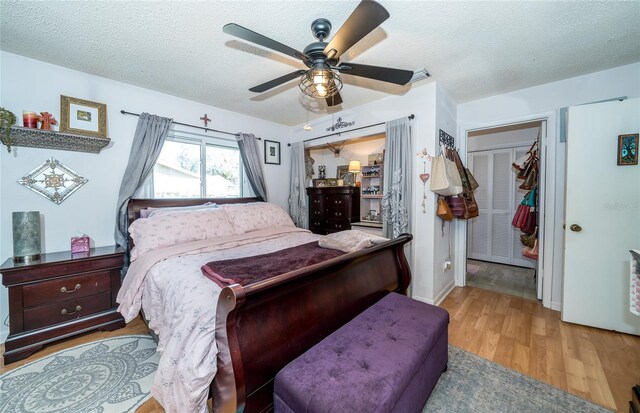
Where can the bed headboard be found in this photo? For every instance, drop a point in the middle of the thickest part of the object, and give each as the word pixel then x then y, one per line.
pixel 135 205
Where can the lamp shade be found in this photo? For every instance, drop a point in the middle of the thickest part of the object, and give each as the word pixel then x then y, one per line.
pixel 354 166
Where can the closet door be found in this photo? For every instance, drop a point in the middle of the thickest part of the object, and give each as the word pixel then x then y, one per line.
pixel 491 235
pixel 479 236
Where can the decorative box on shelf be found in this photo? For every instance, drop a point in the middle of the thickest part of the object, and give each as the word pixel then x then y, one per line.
pixel 60 296
pixel 37 138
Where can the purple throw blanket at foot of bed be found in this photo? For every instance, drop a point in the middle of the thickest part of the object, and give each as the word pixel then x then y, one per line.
pixel 249 270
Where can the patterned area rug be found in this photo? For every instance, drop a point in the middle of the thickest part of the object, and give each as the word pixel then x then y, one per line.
pixel 107 376
pixel 473 384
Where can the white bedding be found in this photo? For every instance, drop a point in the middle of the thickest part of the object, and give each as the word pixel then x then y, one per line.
pixel 180 306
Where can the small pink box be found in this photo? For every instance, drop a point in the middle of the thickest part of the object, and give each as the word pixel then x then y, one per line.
pixel 80 244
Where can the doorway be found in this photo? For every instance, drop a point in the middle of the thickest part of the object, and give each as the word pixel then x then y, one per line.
pixel 493 246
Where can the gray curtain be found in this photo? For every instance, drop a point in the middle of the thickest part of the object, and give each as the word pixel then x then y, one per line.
pixel 398 179
pixel 297 183
pixel 248 145
pixel 147 144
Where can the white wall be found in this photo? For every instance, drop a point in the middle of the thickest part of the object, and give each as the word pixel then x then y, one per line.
pixel 525 103
pixel 37 86
pixel 423 102
pixel 444 236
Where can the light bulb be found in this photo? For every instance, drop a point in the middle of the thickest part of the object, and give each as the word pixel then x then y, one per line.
pixel 320 78
pixel 322 90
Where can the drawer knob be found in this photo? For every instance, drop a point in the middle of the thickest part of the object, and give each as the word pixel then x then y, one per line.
pixel 338 214
pixel 65 312
pixel 64 289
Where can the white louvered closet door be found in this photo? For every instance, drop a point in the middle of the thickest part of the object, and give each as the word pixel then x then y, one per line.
pixel 491 236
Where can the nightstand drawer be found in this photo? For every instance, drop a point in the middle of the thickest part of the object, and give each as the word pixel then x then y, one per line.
pixel 66 288
pixel 47 315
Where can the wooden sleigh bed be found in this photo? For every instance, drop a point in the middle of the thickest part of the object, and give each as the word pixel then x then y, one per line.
pixel 266 325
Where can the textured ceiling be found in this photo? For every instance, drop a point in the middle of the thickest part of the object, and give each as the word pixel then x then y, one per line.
pixel 474 49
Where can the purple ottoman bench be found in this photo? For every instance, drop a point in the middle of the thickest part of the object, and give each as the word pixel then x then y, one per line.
pixel 387 359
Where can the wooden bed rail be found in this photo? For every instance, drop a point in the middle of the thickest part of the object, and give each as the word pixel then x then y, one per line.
pixel 267 324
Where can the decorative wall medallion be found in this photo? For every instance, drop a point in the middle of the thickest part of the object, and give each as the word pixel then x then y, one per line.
pixel 53 181
pixel 340 124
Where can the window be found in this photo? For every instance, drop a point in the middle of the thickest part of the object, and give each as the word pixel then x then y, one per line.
pixel 194 166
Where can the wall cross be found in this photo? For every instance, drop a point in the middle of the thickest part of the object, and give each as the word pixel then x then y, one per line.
pixel 205 119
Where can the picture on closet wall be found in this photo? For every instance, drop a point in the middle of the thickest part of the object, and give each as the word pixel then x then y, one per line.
pixel 628 149
pixel 271 152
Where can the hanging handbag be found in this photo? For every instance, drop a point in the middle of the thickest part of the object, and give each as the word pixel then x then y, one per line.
pixel 445 178
pixel 456 205
pixel 528 240
pixel 520 215
pixel 531 253
pixel 530 179
pixel 472 180
pixel 470 203
pixel 444 212
pixel 531 222
pixel 522 218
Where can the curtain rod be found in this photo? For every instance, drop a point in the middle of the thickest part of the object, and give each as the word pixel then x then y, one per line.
pixel 124 112
pixel 410 117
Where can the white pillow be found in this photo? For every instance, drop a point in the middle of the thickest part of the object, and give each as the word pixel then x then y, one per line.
pixel 253 216
pixel 151 211
pixel 176 227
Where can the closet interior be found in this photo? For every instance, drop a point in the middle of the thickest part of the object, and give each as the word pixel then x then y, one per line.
pixel 505 163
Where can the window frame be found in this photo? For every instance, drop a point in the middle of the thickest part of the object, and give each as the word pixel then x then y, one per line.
pixel 203 141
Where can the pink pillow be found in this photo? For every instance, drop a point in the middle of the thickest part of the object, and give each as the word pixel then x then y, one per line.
pixel 177 227
pixel 253 216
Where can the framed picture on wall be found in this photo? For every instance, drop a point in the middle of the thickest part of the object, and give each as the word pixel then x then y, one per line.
pixel 271 152
pixel 83 117
pixel 628 149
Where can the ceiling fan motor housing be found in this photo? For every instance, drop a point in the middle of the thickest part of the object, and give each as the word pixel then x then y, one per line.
pixel 321 29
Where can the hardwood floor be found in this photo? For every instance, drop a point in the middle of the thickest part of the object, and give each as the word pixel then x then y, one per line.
pixel 594 364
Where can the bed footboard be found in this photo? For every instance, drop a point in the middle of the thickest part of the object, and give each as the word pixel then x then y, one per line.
pixel 268 324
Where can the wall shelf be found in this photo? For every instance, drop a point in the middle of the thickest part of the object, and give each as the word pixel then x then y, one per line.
pixel 37 138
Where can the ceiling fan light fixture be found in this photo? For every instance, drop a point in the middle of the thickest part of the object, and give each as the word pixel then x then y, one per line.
pixel 320 83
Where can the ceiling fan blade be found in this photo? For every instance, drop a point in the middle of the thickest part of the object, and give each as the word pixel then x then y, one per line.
pixel 278 81
pixel 366 17
pixel 334 100
pixel 386 74
pixel 246 34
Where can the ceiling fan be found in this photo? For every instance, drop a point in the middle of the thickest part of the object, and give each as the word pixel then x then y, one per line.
pixel 322 80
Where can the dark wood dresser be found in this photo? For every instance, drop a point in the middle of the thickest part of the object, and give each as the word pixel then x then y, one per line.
pixel 333 209
pixel 60 296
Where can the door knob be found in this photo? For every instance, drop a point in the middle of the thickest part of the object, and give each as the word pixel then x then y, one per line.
pixel 575 228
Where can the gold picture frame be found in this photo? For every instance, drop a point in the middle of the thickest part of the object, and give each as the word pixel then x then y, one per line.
pixel 83 117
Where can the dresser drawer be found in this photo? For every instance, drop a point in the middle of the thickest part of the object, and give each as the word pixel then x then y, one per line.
pixel 315 212
pixel 316 202
pixel 338 225
pixel 60 312
pixel 66 288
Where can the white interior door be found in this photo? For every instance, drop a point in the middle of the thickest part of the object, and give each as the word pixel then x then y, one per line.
pixel 604 200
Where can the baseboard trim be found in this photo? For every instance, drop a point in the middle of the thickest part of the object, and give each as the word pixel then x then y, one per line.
pixel 440 297
pixel 424 300
pixel 445 292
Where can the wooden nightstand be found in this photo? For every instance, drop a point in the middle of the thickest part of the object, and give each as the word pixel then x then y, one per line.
pixel 60 296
